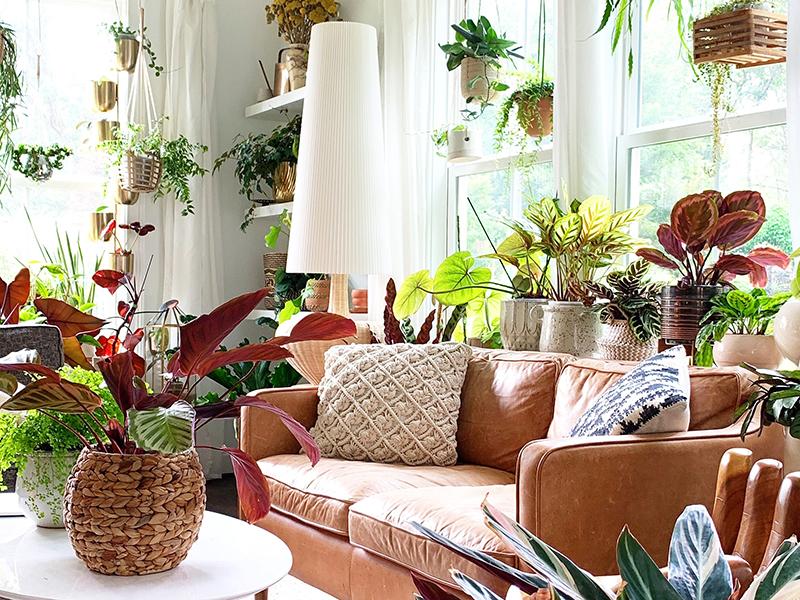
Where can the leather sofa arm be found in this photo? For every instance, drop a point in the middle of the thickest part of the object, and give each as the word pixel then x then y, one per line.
pixel 578 493
pixel 262 433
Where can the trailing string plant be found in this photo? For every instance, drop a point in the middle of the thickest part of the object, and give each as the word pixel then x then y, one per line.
pixel 38 163
pixel 257 156
pixel 163 421
pixel 703 232
pixel 10 99
pixel 119 30
pixel 523 105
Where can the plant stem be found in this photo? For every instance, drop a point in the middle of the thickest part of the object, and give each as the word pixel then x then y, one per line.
pixel 61 423
pixel 494 248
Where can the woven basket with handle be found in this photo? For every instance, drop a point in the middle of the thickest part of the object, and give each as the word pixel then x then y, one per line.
pixel 134 514
pixel 140 174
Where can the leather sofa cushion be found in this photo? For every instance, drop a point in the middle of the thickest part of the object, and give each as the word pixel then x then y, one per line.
pixel 506 401
pixel 382 525
pixel 715 393
pixel 322 495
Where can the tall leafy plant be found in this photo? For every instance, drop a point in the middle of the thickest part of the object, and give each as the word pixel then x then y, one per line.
pixel 10 98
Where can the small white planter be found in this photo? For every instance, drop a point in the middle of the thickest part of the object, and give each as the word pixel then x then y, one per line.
pixel 521 323
pixel 570 328
pixel 787 330
pixel 463 145
pixel 757 350
pixel 40 487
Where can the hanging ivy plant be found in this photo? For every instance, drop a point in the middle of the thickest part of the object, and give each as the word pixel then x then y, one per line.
pixel 10 95
pixel 524 102
pixel 38 163
pixel 119 30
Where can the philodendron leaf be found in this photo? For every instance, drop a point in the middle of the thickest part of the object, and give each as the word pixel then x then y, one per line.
pixel 643 579
pixel 166 430
pixel 697 566
pixel 412 294
pixel 456 279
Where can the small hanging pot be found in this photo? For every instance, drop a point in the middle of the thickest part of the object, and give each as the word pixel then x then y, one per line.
pixel 140 174
pixel 105 95
pixel 319 295
pixel 97 223
pixel 536 119
pixel 125 197
pixel 463 144
pixel 121 262
pixel 127 52
pixel 284 179
pixel 476 77
pixel 106 130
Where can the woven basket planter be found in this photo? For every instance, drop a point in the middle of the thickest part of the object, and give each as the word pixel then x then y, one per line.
pixel 476 76
pixel 619 343
pixel 319 296
pixel 273 261
pixel 744 38
pixel 134 514
pixel 140 174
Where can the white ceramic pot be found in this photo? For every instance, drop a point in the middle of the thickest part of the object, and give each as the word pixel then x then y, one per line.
pixel 463 145
pixel 476 75
pixel 787 330
pixel 758 350
pixel 571 328
pixel 521 323
pixel 40 487
pixel 619 343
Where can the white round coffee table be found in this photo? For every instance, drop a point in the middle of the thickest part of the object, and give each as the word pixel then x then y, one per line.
pixel 230 560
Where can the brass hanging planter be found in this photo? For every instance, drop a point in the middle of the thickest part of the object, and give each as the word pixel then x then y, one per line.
pixel 120 262
pixel 127 52
pixel 98 222
pixel 105 95
pixel 126 197
pixel 284 179
pixel 106 130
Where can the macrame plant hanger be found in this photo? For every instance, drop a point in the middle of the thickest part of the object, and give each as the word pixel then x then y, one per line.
pixel 141 91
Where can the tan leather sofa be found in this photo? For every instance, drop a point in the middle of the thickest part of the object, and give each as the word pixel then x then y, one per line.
pixel 348 523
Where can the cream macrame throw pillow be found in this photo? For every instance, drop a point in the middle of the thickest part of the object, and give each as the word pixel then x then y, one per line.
pixel 391 404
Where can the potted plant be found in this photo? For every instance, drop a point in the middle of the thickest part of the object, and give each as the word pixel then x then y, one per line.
pixel 478 49
pixel 317 294
pixel 631 312
pixel 265 160
pixel 153 444
pixel 775 397
pixel 38 163
pixel 148 162
pixel 699 241
pixel 458 143
pixel 44 453
pixel 295 18
pixel 10 94
pixel 105 94
pixel 787 321
pixel 532 102
pixel 127 48
pixel 121 259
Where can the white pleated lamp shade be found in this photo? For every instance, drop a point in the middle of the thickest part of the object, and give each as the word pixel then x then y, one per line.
pixel 339 222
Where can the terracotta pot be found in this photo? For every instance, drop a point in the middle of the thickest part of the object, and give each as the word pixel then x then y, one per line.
pixel 359 299
pixel 105 95
pixel 571 328
pixel 40 487
pixel 757 350
pixel 681 312
pixel 296 57
pixel 98 222
pixel 787 330
pixel 536 119
pixel 155 516
pixel 273 262
pixel 521 323
pixel 619 343
pixel 317 300
pixel 127 52
pixel 476 75
pixel 284 180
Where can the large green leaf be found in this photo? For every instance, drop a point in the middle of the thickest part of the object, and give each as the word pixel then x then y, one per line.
pixel 456 279
pixel 595 213
pixel 781 580
pixel 412 294
pixel 566 232
pixel 166 430
pixel 644 580
pixel 624 218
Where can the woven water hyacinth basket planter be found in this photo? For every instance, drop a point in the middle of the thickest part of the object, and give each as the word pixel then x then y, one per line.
pixel 140 174
pixel 134 514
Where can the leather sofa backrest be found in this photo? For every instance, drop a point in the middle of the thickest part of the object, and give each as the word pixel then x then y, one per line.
pixel 506 401
pixel 715 393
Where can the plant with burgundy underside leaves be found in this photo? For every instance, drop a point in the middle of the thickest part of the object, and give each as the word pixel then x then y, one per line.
pixel 703 232
pixel 139 231
pixel 162 420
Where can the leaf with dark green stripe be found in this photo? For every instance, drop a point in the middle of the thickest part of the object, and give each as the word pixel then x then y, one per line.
pixel 644 580
pixel 166 430
pixel 58 396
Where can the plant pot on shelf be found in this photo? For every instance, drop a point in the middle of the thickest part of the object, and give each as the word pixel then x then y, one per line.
pixel 570 328
pixel 280 82
pixel 105 95
pixel 284 180
pixel 127 51
pixel 106 130
pixel 536 119
pixel 787 330
pixel 121 262
pixel 521 323
pixel 746 37
pixel 463 144
pixel 158 506
pixel 40 487
pixel 296 58
pixel 619 343
pixel 140 174
pixel 359 301
pixel 125 197
pixel 319 295
pixel 681 312
pixel 476 75
pixel 273 262
pixel 98 222
pixel 757 350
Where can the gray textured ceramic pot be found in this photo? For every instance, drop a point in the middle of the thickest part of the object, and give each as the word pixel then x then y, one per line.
pixel 571 328
pixel 521 323
pixel 40 487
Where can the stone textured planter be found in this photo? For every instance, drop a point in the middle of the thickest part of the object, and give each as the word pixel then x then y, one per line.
pixel 40 487
pixel 571 328
pixel 475 78
pixel 296 58
pixel 758 350
pixel 521 323
pixel 787 330
pixel 619 343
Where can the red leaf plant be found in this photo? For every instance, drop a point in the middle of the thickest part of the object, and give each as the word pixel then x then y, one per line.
pixel 13 296
pixel 198 354
pixel 703 231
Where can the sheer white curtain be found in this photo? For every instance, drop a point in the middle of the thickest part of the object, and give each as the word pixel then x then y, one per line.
pixel 793 113
pixel 582 120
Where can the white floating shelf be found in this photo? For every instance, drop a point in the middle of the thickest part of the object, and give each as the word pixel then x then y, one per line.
pixel 272 210
pixel 292 102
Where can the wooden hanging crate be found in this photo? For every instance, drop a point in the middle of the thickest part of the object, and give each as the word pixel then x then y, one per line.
pixel 744 38
pixel 140 174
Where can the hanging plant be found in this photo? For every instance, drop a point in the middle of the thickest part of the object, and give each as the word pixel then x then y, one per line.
pixel 122 32
pixel 10 94
pixel 532 103
pixel 38 163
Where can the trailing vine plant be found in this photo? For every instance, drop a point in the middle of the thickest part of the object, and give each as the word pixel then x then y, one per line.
pixel 39 162
pixel 119 30
pixel 10 95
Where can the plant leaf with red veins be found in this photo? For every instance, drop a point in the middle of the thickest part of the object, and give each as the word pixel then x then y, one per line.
pixel 250 353
pixel 109 279
pixel 734 229
pixel 693 218
pixel 201 337
pixel 14 295
pixel 296 429
pixel 73 354
pixel 115 432
pixel 118 372
pixel 132 340
pixel 745 200
pixel 69 320
pixel 160 400
pixel 251 485
pixel 657 257
pixel 670 242
pixel 768 256
pixel 60 396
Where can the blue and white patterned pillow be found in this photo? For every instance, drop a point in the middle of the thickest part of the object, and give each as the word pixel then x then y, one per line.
pixel 653 397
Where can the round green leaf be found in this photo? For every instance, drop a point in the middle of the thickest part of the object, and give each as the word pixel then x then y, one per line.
pixel 412 294
pixel 456 278
pixel 166 430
